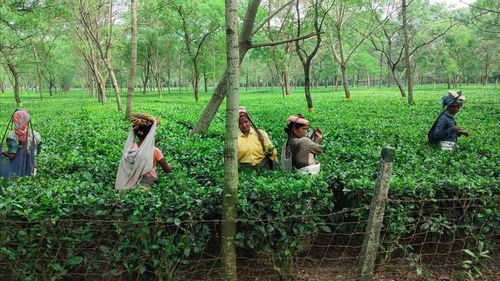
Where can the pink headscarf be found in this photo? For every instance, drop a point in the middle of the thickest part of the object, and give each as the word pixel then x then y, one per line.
pixel 298 119
pixel 21 120
pixel 242 111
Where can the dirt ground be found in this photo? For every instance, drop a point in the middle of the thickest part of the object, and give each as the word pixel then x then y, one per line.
pixel 346 271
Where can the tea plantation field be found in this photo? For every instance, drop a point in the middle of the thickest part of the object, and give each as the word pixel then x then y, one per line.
pixel 83 142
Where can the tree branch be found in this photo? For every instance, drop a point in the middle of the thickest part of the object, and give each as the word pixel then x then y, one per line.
pixel 205 36
pixel 271 16
pixel 432 40
pixel 274 43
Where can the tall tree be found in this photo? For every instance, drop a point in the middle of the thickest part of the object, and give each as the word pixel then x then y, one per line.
pixel 93 65
pixel 230 207
pixel 133 57
pixel 409 76
pixel 44 49
pixel 306 56
pixel 195 30
pixel 281 54
pixel 351 18
pixel 94 16
pixel 20 22
pixel 390 42
pixel 38 69
pixel 385 43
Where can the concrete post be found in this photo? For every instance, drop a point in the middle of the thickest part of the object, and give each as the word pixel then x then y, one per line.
pixel 377 207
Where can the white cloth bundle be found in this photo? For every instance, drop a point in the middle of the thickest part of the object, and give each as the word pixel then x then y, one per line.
pixel 135 162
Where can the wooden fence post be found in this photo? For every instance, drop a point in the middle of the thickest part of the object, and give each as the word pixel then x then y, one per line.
pixel 377 207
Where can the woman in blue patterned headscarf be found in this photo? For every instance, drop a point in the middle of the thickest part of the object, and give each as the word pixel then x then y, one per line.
pixel 445 131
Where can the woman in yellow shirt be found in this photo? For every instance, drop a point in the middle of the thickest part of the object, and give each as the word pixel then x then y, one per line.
pixel 255 149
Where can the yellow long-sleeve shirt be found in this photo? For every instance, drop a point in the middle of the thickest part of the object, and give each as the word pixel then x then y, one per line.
pixel 250 149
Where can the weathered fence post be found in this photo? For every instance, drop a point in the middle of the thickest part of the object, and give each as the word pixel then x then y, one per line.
pixel 377 207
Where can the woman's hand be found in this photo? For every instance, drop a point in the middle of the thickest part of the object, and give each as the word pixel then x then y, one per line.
pixel 463 133
pixel 9 155
pixel 318 134
pixel 270 150
pixel 167 168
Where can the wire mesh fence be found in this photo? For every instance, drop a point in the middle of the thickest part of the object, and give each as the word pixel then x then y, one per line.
pixel 419 238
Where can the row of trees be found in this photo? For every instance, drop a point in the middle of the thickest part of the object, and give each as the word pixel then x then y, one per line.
pixel 58 44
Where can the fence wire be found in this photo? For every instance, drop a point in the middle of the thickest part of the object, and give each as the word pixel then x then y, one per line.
pixel 420 238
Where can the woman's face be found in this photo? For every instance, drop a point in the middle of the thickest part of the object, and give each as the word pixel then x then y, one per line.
pixel 244 125
pixel 456 108
pixel 300 132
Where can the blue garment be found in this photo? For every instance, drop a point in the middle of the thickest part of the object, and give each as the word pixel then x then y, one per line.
pixel 22 165
pixel 444 128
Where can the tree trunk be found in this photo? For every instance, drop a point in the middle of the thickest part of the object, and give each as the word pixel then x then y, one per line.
pixel 145 82
pixel 168 82
pixel 205 80
pixel 345 82
pixel 388 78
pixel 15 74
pixel 101 91
pixel 230 207
pixel 212 107
pixel 52 85
pixel 286 80
pixel 180 73
pixel 147 67
pixel 133 58
pixel 381 70
pixel 158 82
pixel 246 83
pixel 398 82
pixel 114 84
pixel 38 72
pixel 409 78
pixel 196 81
pixel 2 86
pixel 337 80
pixel 214 67
pixel 283 90
pixel 486 68
pixel 343 67
pixel 101 84
pixel 307 87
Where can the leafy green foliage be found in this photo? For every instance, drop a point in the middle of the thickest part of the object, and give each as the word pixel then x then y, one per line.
pixel 475 261
pixel 68 218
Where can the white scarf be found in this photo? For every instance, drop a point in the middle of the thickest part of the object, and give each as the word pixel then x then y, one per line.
pixel 135 162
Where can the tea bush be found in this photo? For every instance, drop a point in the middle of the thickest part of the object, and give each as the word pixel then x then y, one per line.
pixel 49 220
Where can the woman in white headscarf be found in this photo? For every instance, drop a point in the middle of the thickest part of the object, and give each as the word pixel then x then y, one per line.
pixel 445 130
pixel 139 159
